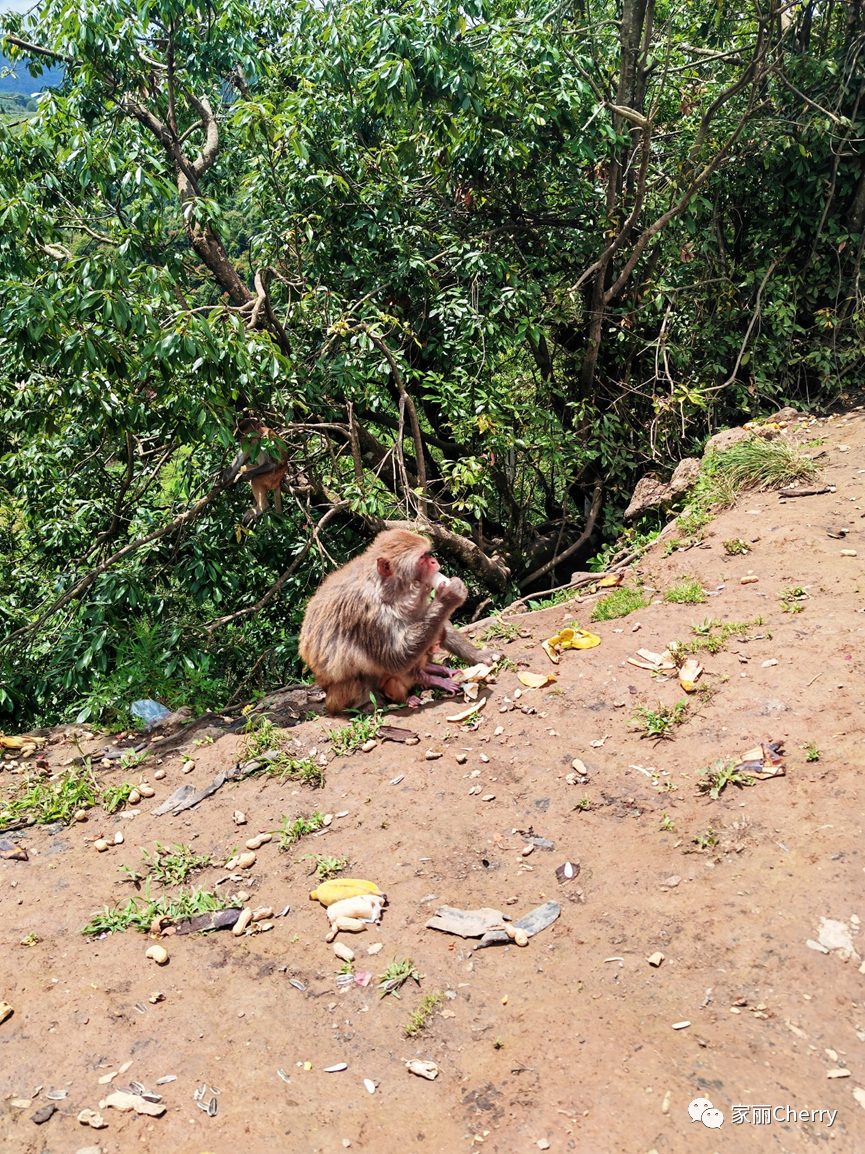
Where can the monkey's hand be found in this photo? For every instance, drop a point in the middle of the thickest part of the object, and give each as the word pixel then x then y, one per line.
pixel 488 656
pixel 452 595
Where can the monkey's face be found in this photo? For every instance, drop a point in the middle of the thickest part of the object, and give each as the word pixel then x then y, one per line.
pixel 427 566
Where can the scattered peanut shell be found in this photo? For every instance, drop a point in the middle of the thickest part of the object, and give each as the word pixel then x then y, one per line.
pixel 146 790
pixel 259 841
pixel 239 817
pixel 100 846
pixel 521 938
pixel 526 850
pixel 242 922
pixel 6 1011
pixel 188 766
pixel 157 954
pixel 488 797
pixel 848 553
pixel 91 1118
pixel 368 745
pixel 749 580
pixel 432 755
pixel 343 952
pixel 422 1069
pixel 134 797
pixel 655 959
pixel 159 775
pixel 118 838
pixel 262 913
pixel 245 861
pixel 80 815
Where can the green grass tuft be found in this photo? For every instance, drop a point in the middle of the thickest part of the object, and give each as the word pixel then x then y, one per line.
pixel 619 603
pixel 688 591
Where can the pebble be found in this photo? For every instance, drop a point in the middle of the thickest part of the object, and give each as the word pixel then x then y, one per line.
pixel 655 959
pixel 239 817
pixel 118 838
pixel 488 797
pixel 484 758
pixel 526 850
pixel 368 746
pixel 839 1072
pixel 159 775
pixel 89 1150
pixel 432 755
pixel 327 819
pixel 100 846
pixel 259 841
pixel 771 661
pixel 461 758
pixel 498 731
pixel 580 767
pixel 134 797
pixel 242 922
pixel 157 954
pixel 375 948
pixel 543 1144
pixel 848 553
pixel 750 580
pixel 343 952
pixel 673 881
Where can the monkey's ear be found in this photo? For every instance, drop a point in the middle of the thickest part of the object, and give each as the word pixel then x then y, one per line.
pixel 385 569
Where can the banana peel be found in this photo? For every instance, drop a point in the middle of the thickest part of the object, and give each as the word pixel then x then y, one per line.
pixel 337 889
pixel 568 639
pixel 689 674
pixel 536 680
pixel 20 742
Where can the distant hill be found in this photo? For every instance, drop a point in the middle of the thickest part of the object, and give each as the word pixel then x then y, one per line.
pixel 22 82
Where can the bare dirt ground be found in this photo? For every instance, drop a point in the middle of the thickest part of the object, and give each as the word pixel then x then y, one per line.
pixel 567 1044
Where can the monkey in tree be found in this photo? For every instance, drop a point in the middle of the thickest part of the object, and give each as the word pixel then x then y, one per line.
pixel 265 475
pixel 372 624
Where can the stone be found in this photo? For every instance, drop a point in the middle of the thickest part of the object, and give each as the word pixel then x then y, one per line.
pixel 648 494
pixel 91 1118
pixel 242 922
pixel 787 416
pixel 239 817
pixel 461 758
pixel 118 838
pixel 89 1150
pixel 726 439
pixel 432 755
pixel 685 475
pixel 43 1113
pixel 157 954
pixel 655 959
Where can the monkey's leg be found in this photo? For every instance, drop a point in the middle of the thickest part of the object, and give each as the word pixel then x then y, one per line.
pixel 347 694
pixel 441 679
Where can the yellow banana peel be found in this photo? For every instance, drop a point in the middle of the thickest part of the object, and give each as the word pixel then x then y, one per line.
pixel 339 888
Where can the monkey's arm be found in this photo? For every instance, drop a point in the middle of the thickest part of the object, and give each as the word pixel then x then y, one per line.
pixel 454 642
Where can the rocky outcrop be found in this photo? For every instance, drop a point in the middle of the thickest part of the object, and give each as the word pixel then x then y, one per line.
pixel 651 493
pixel 725 439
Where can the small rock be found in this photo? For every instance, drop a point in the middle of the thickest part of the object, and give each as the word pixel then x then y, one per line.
pixel 580 767
pixel 258 842
pixel 838 1072
pixel 488 797
pixel 327 819
pixel 375 948
pixel 89 1150
pixel 43 1113
pixel 484 758
pixel 118 838
pixel 368 746
pixel 673 881
pixel 157 954
pixel 461 758
pixel 242 922
pixel 21 1103
pixel 543 1144
pixel 239 817
pixel 369 1085
pixel 100 846
pixel 771 661
pixel 655 959
pixel 343 952
pixel 750 579
pixel 91 1118
pixel 527 850
pixel 159 775
pixel 432 755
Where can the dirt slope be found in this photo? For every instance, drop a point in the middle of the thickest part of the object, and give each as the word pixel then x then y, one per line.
pixel 564 1045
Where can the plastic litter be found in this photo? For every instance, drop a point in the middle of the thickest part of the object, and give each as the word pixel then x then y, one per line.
pixel 148 710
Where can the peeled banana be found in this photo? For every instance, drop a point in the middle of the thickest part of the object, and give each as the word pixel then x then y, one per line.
pixel 340 888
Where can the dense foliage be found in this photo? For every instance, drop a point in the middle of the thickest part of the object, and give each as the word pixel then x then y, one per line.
pixel 479 265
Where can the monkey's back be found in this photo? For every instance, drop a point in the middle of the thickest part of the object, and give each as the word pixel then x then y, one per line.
pixel 342 628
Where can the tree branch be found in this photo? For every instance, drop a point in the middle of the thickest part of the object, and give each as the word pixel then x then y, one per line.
pixel 491 570
pixel 581 540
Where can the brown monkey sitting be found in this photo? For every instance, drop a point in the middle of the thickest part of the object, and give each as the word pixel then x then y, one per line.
pixel 371 625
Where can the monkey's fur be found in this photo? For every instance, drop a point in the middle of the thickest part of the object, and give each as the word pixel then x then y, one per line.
pixel 371 624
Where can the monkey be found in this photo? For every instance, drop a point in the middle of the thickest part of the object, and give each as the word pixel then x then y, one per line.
pixel 371 625
pixel 267 473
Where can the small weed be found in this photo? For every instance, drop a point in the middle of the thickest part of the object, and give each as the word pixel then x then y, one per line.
pixel 346 968
pixel 688 591
pixel 199 741
pixel 707 640
pixel 396 975
pixel 115 797
pixel 294 831
pixel 583 804
pixel 384 823
pixel 792 598
pixel 724 773
pixel 812 753
pixel 707 840
pixel 362 727
pixel 264 741
pixel 500 630
pixel 173 866
pixel 665 786
pixel 327 867
pixel 497 1044
pixel 660 723
pixel 139 912
pixel 42 802
pixel 736 547
pixel 32 939
pixel 553 599
pixel 418 1019
pixel 131 760
pixel 619 603
pixel 667 823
